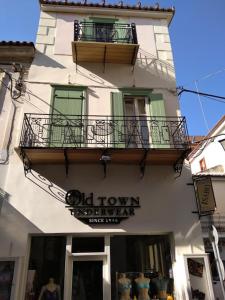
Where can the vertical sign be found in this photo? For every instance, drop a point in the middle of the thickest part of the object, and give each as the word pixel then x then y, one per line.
pixel 205 195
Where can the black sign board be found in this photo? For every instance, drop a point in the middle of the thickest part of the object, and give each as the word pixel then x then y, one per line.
pixel 101 209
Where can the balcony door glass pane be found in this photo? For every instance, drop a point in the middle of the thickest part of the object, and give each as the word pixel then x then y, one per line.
pixel 137 132
pixel 87 280
pixel 104 32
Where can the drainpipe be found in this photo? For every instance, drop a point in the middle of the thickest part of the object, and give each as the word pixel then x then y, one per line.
pixel 214 239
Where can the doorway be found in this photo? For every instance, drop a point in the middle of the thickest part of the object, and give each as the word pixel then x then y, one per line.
pixel 87 280
pixel 137 131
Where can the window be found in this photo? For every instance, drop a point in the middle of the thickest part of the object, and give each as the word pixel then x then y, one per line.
pixel 47 262
pixel 141 258
pixel 6 279
pixel 202 164
pixel 87 244
pixel 137 131
pixel 104 32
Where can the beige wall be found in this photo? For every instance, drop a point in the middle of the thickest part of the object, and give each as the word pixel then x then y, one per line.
pixel 35 203
pixel 154 67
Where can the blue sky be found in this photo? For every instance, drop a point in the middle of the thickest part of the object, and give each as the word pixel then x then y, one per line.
pixel 198 41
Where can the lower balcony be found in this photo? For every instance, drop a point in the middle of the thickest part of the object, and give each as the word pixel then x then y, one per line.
pixel 92 139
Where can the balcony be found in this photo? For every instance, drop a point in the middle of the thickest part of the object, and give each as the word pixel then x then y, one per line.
pixel 86 139
pixel 104 43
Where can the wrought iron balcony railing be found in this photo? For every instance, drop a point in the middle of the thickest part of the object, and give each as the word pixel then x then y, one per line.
pixel 70 131
pixel 105 32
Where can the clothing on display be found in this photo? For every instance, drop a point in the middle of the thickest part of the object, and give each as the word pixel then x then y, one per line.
pixel 50 291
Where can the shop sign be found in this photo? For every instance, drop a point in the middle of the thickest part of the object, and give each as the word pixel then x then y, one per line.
pixel 92 209
pixel 205 195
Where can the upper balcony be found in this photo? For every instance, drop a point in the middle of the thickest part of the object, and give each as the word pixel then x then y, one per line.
pixel 88 139
pixel 104 43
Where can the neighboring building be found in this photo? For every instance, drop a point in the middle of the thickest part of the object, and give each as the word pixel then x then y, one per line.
pixel 95 194
pixel 208 161
pixel 15 60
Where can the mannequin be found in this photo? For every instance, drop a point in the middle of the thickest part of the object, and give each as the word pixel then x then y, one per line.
pixel 161 284
pixel 50 291
pixel 124 287
pixel 142 284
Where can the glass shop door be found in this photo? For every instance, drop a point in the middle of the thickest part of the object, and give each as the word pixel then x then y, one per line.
pixel 87 280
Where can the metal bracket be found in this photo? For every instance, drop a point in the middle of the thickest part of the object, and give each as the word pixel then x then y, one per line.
pixel 104 59
pixel 66 161
pixel 26 162
pixel 178 165
pixel 142 164
pixel 76 56
pixel 104 163
pixel 105 159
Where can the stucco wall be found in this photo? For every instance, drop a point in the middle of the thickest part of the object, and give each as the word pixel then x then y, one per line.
pixel 219 193
pixel 35 204
pixel 153 69
pixel 213 154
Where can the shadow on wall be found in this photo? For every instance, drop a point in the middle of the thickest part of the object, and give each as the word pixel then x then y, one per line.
pixel 148 69
pixel 4 196
pixel 14 226
pixel 43 60
pixel 155 66
pixel 46 185
pixel 53 180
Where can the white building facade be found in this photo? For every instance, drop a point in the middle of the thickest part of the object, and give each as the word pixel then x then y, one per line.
pixel 207 161
pixel 94 196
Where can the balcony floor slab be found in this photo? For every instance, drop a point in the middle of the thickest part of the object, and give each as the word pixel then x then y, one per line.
pixel 104 52
pixel 93 155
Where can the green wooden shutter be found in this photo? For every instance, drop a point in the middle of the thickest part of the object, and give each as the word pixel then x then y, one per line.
pixel 66 129
pixel 121 33
pixel 88 31
pixel 159 130
pixel 118 120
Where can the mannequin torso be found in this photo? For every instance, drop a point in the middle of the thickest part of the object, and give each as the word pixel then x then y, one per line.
pixel 124 286
pixel 142 284
pixel 161 284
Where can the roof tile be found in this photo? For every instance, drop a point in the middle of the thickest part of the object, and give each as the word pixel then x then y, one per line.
pixel 117 6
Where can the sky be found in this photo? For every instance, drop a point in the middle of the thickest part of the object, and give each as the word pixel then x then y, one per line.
pixel 198 41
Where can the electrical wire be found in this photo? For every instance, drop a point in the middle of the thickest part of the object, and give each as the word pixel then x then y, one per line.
pixel 214 99
pixel 206 76
pixel 200 102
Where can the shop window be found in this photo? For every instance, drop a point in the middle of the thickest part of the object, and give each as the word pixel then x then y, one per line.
pixel 6 279
pixel 142 268
pixel 199 281
pixel 87 244
pixel 45 277
pixel 202 164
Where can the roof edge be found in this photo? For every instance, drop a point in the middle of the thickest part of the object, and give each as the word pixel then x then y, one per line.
pixel 65 6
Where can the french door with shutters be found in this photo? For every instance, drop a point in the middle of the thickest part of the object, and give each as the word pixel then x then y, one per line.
pixel 139 120
pixel 66 124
